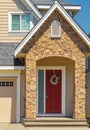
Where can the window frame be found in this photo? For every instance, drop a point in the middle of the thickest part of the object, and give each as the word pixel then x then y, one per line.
pixel 19 13
pixel 59 35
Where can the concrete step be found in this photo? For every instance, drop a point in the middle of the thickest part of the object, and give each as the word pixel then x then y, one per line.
pixel 54 122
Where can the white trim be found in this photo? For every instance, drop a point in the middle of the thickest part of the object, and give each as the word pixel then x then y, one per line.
pixel 51 115
pixel 19 13
pixel 72 7
pixel 56 5
pixel 43 6
pixel 37 93
pixel 59 30
pixel 68 7
pixel 12 67
pixel 31 22
pixel 9 22
pixel 30 4
pixel 63 89
pixel 18 99
pixel 14 74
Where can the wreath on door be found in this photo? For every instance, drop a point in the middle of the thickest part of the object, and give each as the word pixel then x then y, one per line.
pixel 54 80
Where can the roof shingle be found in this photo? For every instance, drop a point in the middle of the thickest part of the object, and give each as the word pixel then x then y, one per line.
pixel 48 2
pixel 6 53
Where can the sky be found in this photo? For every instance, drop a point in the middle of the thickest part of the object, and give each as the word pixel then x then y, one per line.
pixel 83 16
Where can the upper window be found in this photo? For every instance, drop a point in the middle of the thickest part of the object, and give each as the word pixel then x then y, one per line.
pixel 55 29
pixel 22 22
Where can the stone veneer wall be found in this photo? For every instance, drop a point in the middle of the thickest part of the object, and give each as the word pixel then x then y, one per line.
pixel 69 46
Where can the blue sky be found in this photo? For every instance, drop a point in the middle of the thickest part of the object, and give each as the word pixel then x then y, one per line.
pixel 83 17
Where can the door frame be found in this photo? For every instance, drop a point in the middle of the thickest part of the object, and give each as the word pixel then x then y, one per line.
pixel 63 89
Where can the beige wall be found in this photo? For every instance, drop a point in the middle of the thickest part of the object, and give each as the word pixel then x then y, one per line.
pixel 7 6
pixel 69 72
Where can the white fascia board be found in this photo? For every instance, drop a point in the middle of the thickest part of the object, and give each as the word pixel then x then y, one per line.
pixel 12 67
pixel 30 4
pixel 56 5
pixel 43 6
pixel 68 7
pixel 74 24
pixel 72 7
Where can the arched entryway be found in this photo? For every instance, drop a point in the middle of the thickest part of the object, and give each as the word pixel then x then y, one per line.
pixel 55 86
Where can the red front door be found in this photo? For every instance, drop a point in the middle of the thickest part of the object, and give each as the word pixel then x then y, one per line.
pixel 53 91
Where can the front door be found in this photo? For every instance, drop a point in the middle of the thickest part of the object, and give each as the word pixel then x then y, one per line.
pixel 53 91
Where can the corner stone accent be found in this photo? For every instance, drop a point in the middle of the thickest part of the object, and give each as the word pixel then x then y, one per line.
pixel 69 46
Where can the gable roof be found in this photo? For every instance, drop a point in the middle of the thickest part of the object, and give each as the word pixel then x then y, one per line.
pixel 45 4
pixel 29 4
pixel 58 6
pixel 48 2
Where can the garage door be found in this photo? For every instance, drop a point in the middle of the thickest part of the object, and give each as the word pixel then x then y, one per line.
pixel 7 100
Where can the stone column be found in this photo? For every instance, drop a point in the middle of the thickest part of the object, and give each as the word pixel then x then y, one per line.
pixel 30 88
pixel 79 90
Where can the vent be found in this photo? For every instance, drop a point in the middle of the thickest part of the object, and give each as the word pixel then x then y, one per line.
pixel 55 29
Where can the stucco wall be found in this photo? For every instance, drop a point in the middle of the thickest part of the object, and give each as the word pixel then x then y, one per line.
pixel 69 46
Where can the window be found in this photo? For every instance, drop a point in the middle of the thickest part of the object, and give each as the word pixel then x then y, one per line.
pixel 55 29
pixel 20 22
pixel 88 64
pixel 41 92
pixel 6 84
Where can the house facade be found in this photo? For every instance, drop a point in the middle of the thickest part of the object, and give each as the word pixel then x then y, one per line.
pixel 43 68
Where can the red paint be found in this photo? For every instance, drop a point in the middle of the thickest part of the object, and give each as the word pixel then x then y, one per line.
pixel 53 93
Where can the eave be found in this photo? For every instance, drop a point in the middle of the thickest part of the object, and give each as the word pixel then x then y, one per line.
pixel 29 5
pixel 74 9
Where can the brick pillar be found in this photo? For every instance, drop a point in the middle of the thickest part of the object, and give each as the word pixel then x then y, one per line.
pixel 30 89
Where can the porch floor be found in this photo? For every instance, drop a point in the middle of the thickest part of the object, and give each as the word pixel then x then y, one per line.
pixel 54 121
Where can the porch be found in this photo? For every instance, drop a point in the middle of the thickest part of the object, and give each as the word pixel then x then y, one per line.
pixel 41 98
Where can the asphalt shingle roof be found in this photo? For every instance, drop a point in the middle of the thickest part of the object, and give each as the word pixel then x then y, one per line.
pixel 6 53
pixel 48 2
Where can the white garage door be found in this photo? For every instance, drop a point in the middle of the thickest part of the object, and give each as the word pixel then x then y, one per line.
pixel 7 100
